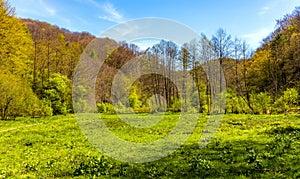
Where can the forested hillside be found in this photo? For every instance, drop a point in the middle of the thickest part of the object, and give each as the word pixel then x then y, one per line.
pixel 37 61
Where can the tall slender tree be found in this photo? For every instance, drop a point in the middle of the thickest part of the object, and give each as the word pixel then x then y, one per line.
pixel 222 45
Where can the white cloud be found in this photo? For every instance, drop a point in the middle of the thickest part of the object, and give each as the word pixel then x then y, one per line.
pixel 264 10
pixel 254 39
pixel 111 13
pixel 49 9
pixel 279 7
pixel 93 2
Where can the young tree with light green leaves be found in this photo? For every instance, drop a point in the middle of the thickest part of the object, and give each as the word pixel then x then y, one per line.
pixel 15 42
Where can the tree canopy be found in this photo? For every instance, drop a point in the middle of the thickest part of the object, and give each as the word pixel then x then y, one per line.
pixel 37 62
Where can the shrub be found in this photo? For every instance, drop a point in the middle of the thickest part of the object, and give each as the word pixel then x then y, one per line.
pixel 93 167
pixel 261 103
pixel 106 108
pixel 44 109
pixel 134 102
pixel 17 98
pixel 288 100
pixel 176 105
pixel 101 108
pixel 234 103
pixel 57 91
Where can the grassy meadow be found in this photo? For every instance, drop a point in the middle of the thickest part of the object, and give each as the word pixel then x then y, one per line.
pixel 245 146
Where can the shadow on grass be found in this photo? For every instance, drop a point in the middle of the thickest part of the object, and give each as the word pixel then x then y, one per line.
pixel 242 158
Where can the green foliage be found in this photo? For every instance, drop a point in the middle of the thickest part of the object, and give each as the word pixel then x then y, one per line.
pixel 290 97
pixel 200 166
pixel 235 104
pixel 176 105
pixel 45 109
pixel 101 107
pixel 16 96
pixel 94 167
pixel 133 99
pixel 288 100
pixel 261 103
pixel 15 42
pixel 56 91
pixel 106 108
pixel 202 98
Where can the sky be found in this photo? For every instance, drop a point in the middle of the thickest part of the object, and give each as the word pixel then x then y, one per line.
pixel 249 20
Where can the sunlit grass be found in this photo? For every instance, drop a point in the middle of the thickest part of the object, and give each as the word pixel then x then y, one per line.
pixel 244 146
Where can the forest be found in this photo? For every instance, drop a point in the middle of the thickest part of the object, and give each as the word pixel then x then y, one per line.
pixel 38 62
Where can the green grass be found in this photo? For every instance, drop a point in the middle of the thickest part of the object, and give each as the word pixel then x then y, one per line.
pixel 245 146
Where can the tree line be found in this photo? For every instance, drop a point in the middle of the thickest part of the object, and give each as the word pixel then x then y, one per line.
pixel 264 81
pixel 37 62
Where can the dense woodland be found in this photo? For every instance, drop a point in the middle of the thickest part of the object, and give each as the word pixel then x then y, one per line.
pixel 37 61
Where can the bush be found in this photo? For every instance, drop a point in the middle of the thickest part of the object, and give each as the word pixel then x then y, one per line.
pixel 106 108
pixel 57 91
pixel 261 103
pixel 44 109
pixel 134 102
pixel 200 99
pixel 288 100
pixel 235 104
pixel 101 108
pixel 176 105
pixel 93 167
pixel 17 98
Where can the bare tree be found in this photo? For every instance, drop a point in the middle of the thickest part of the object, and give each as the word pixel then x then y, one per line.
pixel 238 51
pixel 222 45
pixel 246 54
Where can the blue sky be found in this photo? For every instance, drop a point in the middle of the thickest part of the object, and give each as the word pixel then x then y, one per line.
pixel 250 20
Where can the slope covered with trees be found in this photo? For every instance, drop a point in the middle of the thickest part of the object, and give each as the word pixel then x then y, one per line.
pixel 262 81
pixel 16 95
pixel 274 71
pixel 37 62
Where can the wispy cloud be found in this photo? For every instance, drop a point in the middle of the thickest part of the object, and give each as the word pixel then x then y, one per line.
pixel 264 10
pixel 254 39
pixel 51 11
pixel 92 2
pixel 34 8
pixel 277 6
pixel 42 10
pixel 111 13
